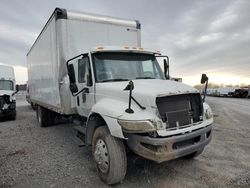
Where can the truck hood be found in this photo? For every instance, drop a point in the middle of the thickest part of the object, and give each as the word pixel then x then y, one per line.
pixel 6 92
pixel 145 91
pixel 156 87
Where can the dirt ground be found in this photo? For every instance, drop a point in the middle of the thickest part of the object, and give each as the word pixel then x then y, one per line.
pixel 31 156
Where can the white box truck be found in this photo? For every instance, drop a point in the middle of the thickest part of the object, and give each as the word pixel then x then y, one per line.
pixel 94 69
pixel 8 89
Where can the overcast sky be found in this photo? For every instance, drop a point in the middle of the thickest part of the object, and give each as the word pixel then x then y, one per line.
pixel 202 36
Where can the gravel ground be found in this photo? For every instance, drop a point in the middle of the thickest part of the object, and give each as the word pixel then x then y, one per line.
pixel 31 156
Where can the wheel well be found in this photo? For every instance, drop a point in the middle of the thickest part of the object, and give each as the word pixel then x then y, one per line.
pixel 95 120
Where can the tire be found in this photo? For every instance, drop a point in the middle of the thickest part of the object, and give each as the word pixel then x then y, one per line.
pixel 33 106
pixel 193 155
pixel 45 117
pixel 42 116
pixel 111 154
pixel 51 117
pixel 12 116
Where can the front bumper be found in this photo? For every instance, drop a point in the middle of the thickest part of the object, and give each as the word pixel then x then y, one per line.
pixel 164 149
pixel 11 109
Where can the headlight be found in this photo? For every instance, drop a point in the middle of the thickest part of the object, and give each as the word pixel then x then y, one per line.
pixel 207 111
pixel 137 126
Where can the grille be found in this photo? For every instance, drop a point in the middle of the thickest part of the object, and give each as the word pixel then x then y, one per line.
pixel 180 110
pixel 2 102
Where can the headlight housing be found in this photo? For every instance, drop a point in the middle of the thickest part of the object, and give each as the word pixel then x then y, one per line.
pixel 207 111
pixel 137 126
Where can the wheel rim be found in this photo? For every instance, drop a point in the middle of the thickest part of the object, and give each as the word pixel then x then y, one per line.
pixel 101 156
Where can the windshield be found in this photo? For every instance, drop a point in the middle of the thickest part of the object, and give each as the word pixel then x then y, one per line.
pixel 6 85
pixel 121 66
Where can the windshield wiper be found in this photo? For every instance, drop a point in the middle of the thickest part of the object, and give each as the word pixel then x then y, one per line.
pixel 145 77
pixel 115 80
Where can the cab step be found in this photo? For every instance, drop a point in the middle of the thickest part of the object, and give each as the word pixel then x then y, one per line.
pixel 81 131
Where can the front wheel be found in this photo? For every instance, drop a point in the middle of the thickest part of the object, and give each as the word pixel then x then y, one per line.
pixel 109 155
pixel 12 115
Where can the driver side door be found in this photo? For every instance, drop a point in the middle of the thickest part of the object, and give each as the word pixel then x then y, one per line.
pixel 83 90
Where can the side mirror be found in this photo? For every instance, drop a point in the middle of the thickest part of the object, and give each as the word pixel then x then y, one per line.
pixel 71 73
pixel 204 78
pixel 129 87
pixel 17 88
pixel 166 68
pixel 73 87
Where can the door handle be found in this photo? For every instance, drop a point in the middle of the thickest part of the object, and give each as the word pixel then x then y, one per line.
pixel 85 90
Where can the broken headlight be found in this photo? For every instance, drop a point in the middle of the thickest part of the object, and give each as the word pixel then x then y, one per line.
pixel 208 114
pixel 137 126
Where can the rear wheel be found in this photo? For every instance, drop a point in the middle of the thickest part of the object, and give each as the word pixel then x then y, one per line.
pixel 51 117
pixel 33 106
pixel 42 116
pixel 45 117
pixel 109 155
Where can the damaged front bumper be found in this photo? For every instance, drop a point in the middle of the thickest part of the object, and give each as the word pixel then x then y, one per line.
pixel 164 149
pixel 8 109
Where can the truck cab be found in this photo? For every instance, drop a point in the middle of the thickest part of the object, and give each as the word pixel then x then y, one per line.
pixel 8 89
pixel 123 91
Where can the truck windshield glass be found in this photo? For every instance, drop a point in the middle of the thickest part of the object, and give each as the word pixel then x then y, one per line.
pixel 6 85
pixel 121 66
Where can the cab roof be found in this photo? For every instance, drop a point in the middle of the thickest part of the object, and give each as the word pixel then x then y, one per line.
pixel 134 49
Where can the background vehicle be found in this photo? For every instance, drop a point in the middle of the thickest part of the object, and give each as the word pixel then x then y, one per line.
pixel 241 93
pixel 226 91
pixel 94 69
pixel 7 93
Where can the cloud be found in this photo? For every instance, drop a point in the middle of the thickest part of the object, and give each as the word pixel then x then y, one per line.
pixel 16 34
pixel 211 37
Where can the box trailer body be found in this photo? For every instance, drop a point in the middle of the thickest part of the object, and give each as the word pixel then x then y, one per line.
pixel 94 69
pixel 65 35
pixel 7 92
